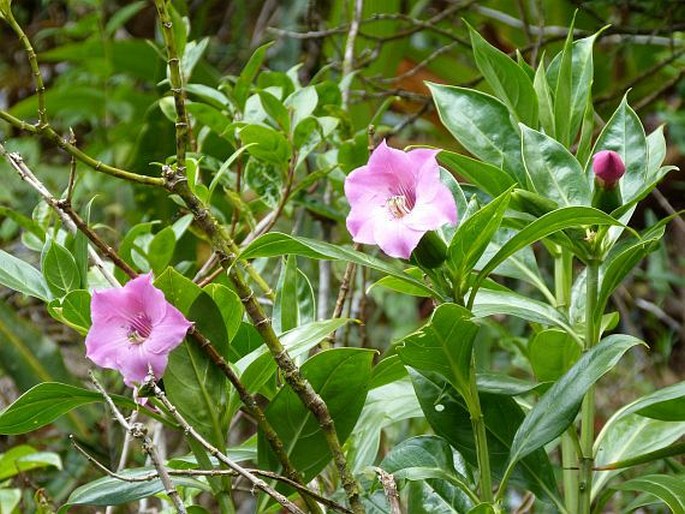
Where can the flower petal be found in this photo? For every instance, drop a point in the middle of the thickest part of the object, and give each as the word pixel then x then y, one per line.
pixel 150 299
pixel 422 158
pixel 134 364
pixel 168 333
pixel 434 212
pixel 362 219
pixel 364 184
pixel 104 342
pixel 396 239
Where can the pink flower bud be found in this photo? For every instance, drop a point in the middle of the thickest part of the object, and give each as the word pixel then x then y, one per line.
pixel 608 167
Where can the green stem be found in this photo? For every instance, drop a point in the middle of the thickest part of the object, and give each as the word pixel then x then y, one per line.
pixel 480 433
pixel 587 431
pixel 176 81
pixel 33 62
pixel 563 280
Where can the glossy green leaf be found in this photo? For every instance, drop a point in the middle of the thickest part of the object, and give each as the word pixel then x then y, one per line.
pixel 210 116
pixel 341 377
pixel 22 277
pixel 258 366
pixel 276 244
pixel 46 402
pixel 666 404
pixel 247 76
pixel 113 491
pixel 544 95
pixel 557 408
pixel 431 459
pixel 482 125
pixel 553 171
pixel 385 405
pixel 9 499
pixel 489 302
pixel 522 265
pixel 161 250
pixel 504 385
pixel 582 71
pixel 444 346
pixel 560 219
pixel 59 269
pixel 270 146
pixel 622 261
pixel 230 307
pixel 275 108
pixel 286 311
pixel 447 415
pixel 506 78
pixel 473 236
pixel 22 458
pixel 489 178
pixel 624 134
pixel 396 284
pixel 302 103
pixel 178 290
pixel 75 310
pixel 562 83
pixel 668 488
pixel 193 383
pixel 552 353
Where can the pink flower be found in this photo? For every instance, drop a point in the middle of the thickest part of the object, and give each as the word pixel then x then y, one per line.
pixel 396 198
pixel 608 167
pixel 134 329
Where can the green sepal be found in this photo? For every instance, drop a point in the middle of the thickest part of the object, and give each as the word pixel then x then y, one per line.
pixel 605 198
pixel 431 251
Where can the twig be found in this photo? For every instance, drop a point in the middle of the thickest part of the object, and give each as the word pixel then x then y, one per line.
pixel 348 57
pixel 138 431
pixel 666 205
pixel 50 134
pixel 176 80
pixel 390 490
pixel 33 62
pixel 17 163
pixel 214 452
pixel 415 69
pixel 152 475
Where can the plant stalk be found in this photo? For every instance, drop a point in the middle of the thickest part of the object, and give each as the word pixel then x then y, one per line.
pixel 480 434
pixel 587 432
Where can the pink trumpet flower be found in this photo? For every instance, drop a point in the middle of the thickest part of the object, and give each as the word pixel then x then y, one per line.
pixel 396 198
pixel 134 329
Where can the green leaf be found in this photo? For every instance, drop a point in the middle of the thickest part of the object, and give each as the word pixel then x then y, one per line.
pixel 482 125
pixel 582 71
pixel 209 116
pixel 46 402
pixel 302 103
pixel 194 384
pixel 161 250
pixel 276 244
pixel 544 95
pixel 269 145
pixel 22 277
pixel 473 236
pixel 552 353
pixel 489 178
pixel 508 80
pixel 9 499
pixel 504 385
pixel 247 76
pixel 76 310
pixel 286 311
pixel 553 171
pixel 178 290
pixel 668 488
pixel 385 405
pixel 560 219
pixel 230 307
pixel 622 261
pixel 447 415
pixel 444 346
pixel 666 404
pixel 258 366
pixel 624 134
pixel 489 302
pixel 22 458
pixel 341 377
pixel 113 491
pixel 557 408
pixel 396 284
pixel 562 82
pixel 275 108
pixel 430 458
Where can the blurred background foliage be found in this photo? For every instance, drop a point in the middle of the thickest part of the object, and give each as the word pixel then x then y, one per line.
pixel 105 79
